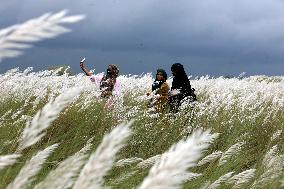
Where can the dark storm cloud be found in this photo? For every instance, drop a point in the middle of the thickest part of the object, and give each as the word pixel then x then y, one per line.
pixel 208 32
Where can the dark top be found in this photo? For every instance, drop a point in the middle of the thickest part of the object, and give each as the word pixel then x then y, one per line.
pixel 182 84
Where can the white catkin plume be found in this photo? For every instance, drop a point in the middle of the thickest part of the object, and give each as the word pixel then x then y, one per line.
pixel 269 156
pixel 176 161
pixel 34 130
pixel 18 37
pixel 63 176
pixel 272 172
pixel 242 178
pixel 30 169
pixel 230 152
pixel 273 167
pixel 185 177
pixel 149 162
pixel 102 160
pixel 128 161
pixel 124 177
pixel 205 185
pixel 211 157
pixel 220 180
pixel 7 160
pixel 276 134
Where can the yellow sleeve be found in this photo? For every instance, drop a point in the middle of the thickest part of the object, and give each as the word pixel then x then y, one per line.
pixel 164 90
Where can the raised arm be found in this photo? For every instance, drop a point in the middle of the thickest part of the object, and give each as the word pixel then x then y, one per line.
pixel 87 72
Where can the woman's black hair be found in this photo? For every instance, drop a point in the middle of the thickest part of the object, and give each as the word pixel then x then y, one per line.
pixel 180 79
pixel 163 72
pixel 157 84
pixel 178 69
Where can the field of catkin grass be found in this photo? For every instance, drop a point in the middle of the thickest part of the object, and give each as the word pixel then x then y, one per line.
pixel 56 133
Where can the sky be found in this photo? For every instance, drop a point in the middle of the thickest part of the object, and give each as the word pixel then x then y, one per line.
pixel 209 37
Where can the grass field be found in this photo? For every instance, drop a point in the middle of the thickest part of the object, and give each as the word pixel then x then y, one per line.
pixel 247 114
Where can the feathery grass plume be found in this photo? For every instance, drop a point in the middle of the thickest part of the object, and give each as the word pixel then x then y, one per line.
pixel 185 177
pixel 211 157
pixel 205 185
pixel 230 152
pixel 149 162
pixel 34 130
pixel 273 168
pixel 30 169
pixel 176 161
pixel 7 160
pixel 18 37
pixel 63 176
pixel 242 178
pixel 102 160
pixel 276 134
pixel 220 180
pixel 269 156
pixel 124 177
pixel 128 161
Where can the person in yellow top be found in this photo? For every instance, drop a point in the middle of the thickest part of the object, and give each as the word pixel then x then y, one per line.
pixel 160 91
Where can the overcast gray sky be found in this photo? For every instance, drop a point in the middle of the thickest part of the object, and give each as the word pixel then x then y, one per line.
pixel 215 37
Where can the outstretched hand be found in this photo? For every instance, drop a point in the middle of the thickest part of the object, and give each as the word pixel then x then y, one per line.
pixel 82 62
pixel 87 72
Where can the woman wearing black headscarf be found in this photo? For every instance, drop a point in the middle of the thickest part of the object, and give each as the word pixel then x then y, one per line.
pixel 181 87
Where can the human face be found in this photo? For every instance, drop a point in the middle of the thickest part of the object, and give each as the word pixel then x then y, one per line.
pixel 174 73
pixel 109 70
pixel 160 76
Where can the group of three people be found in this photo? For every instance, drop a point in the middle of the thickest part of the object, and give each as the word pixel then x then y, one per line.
pixel 163 96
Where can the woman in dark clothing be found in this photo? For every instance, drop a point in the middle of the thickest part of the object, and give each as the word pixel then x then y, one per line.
pixel 181 87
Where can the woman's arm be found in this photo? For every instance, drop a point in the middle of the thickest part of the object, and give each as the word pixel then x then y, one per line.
pixel 87 72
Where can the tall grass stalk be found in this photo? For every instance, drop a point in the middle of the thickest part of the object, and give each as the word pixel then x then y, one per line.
pixel 176 161
pixel 128 161
pixel 211 157
pixel 242 178
pixel 64 175
pixel 230 152
pixel 149 162
pixel 30 169
pixel 273 167
pixel 7 160
pixel 221 180
pixel 101 161
pixel 18 37
pixel 34 130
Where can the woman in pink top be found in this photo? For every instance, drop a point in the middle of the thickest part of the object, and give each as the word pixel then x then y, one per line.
pixel 108 83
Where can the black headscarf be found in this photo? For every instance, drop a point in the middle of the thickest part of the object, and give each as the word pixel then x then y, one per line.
pixel 157 84
pixel 180 80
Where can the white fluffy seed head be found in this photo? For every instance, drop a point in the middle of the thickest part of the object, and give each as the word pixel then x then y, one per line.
pixel 176 161
pixel 230 152
pixel 211 157
pixel 242 178
pixel 128 161
pixel 34 130
pixel 31 168
pixel 14 39
pixel 149 162
pixel 102 160
pixel 7 160
pixel 63 176
pixel 222 179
